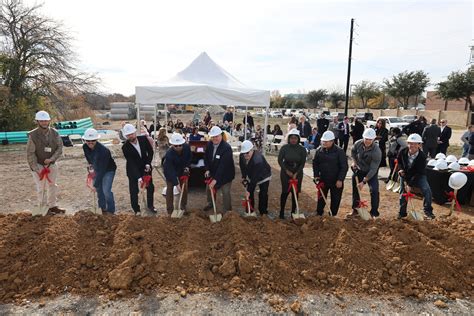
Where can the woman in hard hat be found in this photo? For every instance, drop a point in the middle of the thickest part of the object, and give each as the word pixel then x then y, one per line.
pixel 175 165
pixel 411 165
pixel 103 166
pixel 366 156
pixel 291 159
pixel 43 149
pixel 255 171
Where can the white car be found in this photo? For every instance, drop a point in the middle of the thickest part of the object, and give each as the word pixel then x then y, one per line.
pixel 277 114
pixel 391 122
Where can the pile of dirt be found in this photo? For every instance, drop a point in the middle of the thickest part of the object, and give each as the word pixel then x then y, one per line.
pixel 124 255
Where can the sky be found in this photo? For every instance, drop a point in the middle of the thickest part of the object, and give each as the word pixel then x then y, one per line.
pixel 290 46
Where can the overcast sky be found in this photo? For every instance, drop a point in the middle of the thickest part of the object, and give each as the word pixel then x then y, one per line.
pixel 284 45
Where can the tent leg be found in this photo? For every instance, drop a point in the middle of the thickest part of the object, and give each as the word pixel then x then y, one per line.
pixel 245 126
pixel 265 133
pixel 138 119
pixel 166 118
pixel 154 139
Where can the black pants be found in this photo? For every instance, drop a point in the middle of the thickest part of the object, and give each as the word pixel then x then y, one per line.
pixel 391 162
pixel 133 187
pixel 344 142
pixel 442 148
pixel 374 192
pixel 429 151
pixel 262 198
pixel 336 195
pixel 284 192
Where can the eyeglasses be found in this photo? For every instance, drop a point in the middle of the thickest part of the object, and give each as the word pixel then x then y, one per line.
pixel 177 146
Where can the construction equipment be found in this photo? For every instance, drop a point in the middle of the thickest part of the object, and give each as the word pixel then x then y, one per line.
pixel 178 212
pixel 319 187
pixel 361 208
pixel 293 183
pixel 416 215
pixel 390 184
pixel 250 210
pixel 213 217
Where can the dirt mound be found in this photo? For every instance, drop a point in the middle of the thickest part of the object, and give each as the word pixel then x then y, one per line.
pixel 124 255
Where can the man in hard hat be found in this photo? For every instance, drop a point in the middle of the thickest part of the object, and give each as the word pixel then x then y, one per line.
pixel 366 156
pixel 175 165
pixel 43 149
pixel 291 158
pixel 139 155
pixel 255 171
pixel 329 170
pixel 102 166
pixel 219 163
pixel 411 165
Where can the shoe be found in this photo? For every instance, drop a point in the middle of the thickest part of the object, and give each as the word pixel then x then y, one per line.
pixel 430 215
pixel 401 216
pixel 153 210
pixel 282 215
pixel 56 210
pixel 353 214
pixel 104 212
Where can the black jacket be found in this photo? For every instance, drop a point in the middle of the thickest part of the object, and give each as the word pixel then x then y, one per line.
pixel 330 165
pixel 221 166
pixel 135 164
pixel 445 135
pixel 249 121
pixel 471 143
pixel 357 130
pixel 101 160
pixel 416 170
pixel 430 136
pixel 256 170
pixel 305 130
pixel 342 130
pixel 174 164
pixel 322 124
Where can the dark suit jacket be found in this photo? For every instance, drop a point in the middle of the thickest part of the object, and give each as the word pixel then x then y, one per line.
pixel 445 135
pixel 305 131
pixel 430 136
pixel 222 166
pixel 135 164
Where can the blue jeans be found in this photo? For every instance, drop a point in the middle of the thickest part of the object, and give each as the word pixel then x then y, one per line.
pixel 421 183
pixel 373 184
pixel 465 150
pixel 308 146
pixel 104 192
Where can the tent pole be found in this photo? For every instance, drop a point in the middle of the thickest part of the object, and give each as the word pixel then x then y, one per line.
pixel 154 139
pixel 138 119
pixel 265 133
pixel 245 126
pixel 166 118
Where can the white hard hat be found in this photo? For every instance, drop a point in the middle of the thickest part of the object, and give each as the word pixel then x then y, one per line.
pixel 90 134
pixel 471 163
pixel 432 162
pixel 414 138
pixel 177 139
pixel 215 131
pixel 464 161
pixel 327 136
pixel 440 156
pixel 457 180
pixel 42 116
pixel 454 166
pixel 369 134
pixel 451 158
pixel 441 165
pixel 246 147
pixel 128 129
pixel 294 131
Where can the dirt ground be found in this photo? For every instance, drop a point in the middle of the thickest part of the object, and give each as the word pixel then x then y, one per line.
pixel 87 263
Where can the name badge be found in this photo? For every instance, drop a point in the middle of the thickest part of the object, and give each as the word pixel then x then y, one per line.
pixel 47 149
pixel 218 156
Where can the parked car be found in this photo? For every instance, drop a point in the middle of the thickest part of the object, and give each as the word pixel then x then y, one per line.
pixel 391 122
pixel 364 116
pixel 277 114
pixel 340 116
pixel 409 118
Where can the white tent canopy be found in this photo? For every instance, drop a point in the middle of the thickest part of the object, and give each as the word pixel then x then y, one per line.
pixel 202 82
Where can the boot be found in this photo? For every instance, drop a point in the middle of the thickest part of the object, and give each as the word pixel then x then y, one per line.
pixel 283 197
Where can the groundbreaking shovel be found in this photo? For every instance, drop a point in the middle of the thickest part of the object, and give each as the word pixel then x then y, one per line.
pixel 396 186
pixel 250 211
pixel 325 199
pixel 178 212
pixel 214 217
pixel 42 208
pixel 454 202
pixel 90 185
pixel 143 185
pixel 390 184
pixel 361 208
pixel 416 215
pixel 294 184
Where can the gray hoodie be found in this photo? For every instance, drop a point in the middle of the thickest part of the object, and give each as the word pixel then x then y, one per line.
pixel 368 160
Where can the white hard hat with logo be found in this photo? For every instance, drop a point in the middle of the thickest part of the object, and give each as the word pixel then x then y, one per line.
pixel 440 156
pixel 432 162
pixel 90 134
pixel 215 131
pixel 441 165
pixel 454 166
pixel 327 136
pixel 128 129
pixel 177 139
pixel 414 138
pixel 451 158
pixel 246 147
pixel 369 134
pixel 464 161
pixel 457 180
pixel 42 116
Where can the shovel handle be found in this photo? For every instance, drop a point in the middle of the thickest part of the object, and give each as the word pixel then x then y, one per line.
pixel 182 191
pixel 453 203
pixel 325 200
pixel 296 200
pixel 213 200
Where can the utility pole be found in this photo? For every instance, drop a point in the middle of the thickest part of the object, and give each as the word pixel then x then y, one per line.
pixel 349 69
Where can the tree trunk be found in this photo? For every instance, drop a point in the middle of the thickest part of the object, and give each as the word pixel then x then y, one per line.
pixel 445 105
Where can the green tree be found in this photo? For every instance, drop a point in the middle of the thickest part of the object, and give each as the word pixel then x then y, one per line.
pixel 335 97
pixel 458 86
pixel 366 90
pixel 315 96
pixel 407 84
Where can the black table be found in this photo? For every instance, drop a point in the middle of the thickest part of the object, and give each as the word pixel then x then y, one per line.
pixel 438 181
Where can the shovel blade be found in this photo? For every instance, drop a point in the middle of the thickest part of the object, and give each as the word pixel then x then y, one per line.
pixel 39 210
pixel 177 214
pixel 364 214
pixel 390 185
pixel 298 216
pixel 417 215
pixel 396 188
pixel 215 218
pixel 251 214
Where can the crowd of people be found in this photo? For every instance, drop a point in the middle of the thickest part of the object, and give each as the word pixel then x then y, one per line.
pixel 330 163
